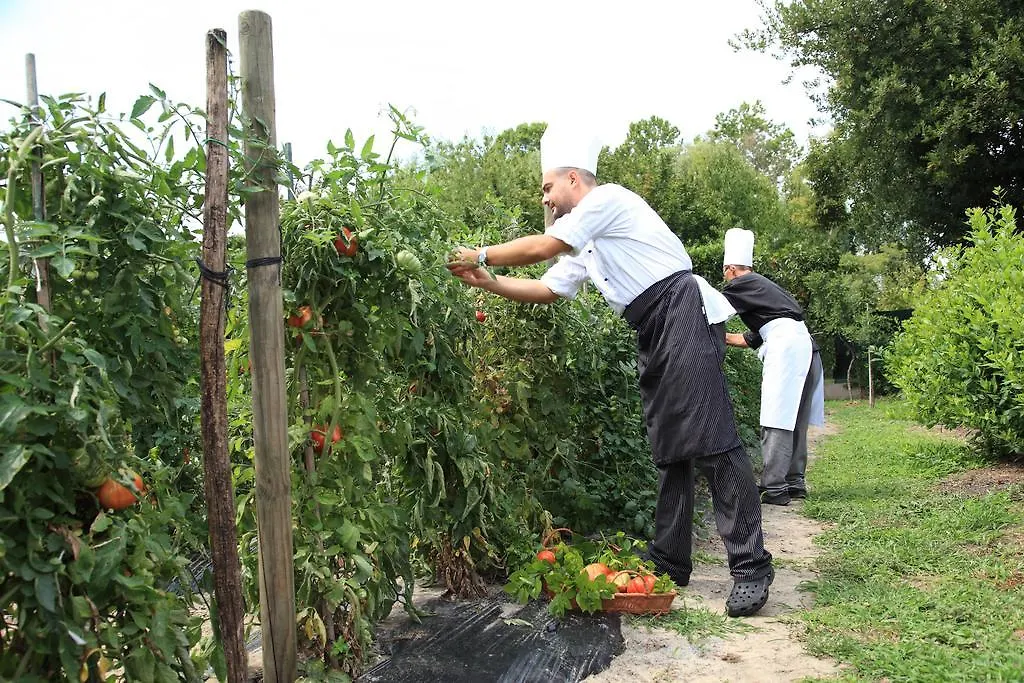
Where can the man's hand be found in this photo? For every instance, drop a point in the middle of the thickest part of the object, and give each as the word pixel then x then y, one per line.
pixel 463 259
pixel 473 275
pixel 733 339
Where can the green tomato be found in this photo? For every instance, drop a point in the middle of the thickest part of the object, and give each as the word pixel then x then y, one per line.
pixel 408 261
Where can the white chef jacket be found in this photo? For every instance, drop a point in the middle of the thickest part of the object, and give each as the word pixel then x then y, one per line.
pixel 621 244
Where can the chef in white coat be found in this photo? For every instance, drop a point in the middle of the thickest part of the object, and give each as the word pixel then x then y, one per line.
pixel 792 382
pixel 609 236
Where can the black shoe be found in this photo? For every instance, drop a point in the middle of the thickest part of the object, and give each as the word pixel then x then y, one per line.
pixel 748 596
pixel 776 499
pixel 797 493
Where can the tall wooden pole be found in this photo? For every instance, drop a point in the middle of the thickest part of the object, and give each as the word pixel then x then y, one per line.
pixel 41 265
pixel 266 349
pixel 220 493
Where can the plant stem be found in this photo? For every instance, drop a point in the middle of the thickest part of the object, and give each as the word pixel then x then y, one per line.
pixel 64 330
pixel 12 244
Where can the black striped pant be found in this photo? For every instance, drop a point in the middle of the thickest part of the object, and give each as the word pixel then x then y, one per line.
pixel 737 508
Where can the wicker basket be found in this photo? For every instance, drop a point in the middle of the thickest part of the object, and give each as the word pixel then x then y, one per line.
pixel 639 603
pixel 632 603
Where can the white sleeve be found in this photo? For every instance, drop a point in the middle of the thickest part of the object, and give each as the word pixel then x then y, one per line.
pixel 565 277
pixel 590 218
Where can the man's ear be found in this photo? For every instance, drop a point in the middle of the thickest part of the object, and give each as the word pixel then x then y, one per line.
pixel 574 177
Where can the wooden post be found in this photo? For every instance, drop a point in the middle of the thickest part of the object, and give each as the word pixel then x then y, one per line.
pixel 266 349
pixel 220 493
pixel 41 265
pixel 871 381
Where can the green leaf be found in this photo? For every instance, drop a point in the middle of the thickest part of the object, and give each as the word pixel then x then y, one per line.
pixel 12 411
pixel 15 457
pixel 348 534
pixel 169 154
pixel 367 152
pixel 96 359
pixel 364 569
pixel 46 591
pixel 63 265
pixel 142 105
pixel 44 251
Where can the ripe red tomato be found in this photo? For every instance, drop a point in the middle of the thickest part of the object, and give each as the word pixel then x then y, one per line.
pixel 346 243
pixel 546 555
pixel 302 318
pixel 319 434
pixel 114 495
pixel 649 581
pixel 636 585
pixel 481 316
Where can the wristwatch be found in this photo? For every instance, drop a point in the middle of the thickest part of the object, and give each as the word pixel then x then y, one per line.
pixel 481 257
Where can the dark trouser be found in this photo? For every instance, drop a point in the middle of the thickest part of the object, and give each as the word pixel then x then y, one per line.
pixel 737 514
pixel 690 423
pixel 785 451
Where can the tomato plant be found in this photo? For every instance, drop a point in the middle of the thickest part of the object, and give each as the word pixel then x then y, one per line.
pixel 106 374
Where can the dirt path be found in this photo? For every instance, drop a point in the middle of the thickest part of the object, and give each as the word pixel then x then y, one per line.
pixel 771 652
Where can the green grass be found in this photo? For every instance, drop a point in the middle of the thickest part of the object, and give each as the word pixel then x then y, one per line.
pixel 916 584
pixel 694 624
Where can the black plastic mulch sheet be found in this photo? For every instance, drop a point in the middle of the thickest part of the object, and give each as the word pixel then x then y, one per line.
pixel 487 640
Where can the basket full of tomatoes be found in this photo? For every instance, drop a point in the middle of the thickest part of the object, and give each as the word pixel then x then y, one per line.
pixel 593 575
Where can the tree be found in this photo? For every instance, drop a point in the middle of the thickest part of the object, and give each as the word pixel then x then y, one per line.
pixel 925 100
pixel 770 147
pixel 470 176
pixel 645 163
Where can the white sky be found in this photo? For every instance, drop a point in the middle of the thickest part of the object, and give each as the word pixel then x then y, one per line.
pixel 459 67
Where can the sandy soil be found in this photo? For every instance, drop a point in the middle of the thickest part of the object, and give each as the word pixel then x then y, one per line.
pixel 771 652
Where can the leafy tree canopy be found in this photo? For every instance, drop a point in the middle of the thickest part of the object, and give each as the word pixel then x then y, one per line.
pixel 925 100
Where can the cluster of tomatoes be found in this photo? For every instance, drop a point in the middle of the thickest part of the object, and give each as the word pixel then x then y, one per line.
pixel 624 580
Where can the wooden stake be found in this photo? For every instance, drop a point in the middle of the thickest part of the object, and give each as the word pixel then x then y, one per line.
pixel 220 493
pixel 266 349
pixel 41 265
pixel 871 381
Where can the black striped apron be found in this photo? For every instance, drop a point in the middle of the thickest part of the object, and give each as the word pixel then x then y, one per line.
pixel 682 385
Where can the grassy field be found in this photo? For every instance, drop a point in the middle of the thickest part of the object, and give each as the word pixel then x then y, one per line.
pixel 921 577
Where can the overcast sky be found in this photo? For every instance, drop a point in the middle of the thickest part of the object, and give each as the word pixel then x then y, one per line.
pixel 459 68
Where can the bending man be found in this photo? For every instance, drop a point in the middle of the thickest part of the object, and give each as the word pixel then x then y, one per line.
pixel 792 384
pixel 609 235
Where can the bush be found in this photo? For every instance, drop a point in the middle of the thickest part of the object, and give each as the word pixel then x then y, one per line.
pixel 959 359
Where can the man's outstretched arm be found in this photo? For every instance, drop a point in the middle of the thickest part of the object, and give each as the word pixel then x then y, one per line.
pixel 517 289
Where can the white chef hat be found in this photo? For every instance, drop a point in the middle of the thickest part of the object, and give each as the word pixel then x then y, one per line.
pixel 568 146
pixel 739 248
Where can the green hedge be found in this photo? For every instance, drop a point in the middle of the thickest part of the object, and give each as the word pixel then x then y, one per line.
pixel 959 359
